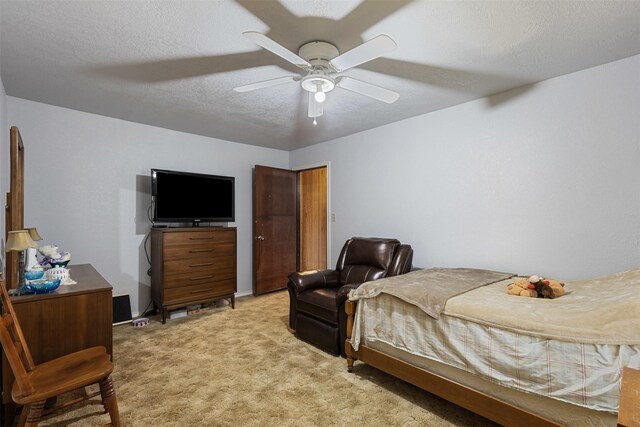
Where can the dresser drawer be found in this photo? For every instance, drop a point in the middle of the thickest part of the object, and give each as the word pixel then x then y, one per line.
pixel 198 291
pixel 198 250
pixel 198 264
pixel 189 238
pixel 225 271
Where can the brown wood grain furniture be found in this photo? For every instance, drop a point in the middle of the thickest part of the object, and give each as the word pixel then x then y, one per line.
pixel 629 415
pixel 434 378
pixel 275 228
pixel 192 266
pixel 476 401
pixel 289 224
pixel 37 382
pixel 71 319
pixel 475 362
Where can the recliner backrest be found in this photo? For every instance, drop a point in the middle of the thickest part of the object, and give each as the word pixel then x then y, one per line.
pixel 364 259
pixel 402 261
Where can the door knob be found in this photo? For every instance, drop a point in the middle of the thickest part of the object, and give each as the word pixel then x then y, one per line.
pixel 259 237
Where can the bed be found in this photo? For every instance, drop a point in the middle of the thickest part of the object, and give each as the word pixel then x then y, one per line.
pixel 516 361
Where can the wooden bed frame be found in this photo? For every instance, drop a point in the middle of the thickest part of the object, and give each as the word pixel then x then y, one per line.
pixel 480 403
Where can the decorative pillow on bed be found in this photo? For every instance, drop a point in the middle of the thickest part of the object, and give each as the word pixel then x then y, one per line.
pixel 536 287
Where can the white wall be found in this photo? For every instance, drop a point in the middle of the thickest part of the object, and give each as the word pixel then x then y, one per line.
pixel 542 179
pixel 87 186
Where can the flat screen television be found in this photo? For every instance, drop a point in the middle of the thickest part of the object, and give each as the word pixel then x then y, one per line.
pixel 192 197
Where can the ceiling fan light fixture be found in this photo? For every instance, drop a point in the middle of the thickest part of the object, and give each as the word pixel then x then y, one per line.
pixel 322 61
pixel 320 96
pixel 315 82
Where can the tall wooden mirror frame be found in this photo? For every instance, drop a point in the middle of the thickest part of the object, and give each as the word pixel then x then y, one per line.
pixel 14 209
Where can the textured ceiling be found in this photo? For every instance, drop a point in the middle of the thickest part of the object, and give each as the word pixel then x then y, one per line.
pixel 173 64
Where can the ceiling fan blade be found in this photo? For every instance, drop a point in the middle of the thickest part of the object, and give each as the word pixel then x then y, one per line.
pixel 367 89
pixel 316 108
pixel 266 83
pixel 372 49
pixel 264 41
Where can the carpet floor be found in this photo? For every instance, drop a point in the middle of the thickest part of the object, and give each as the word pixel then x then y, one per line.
pixel 243 367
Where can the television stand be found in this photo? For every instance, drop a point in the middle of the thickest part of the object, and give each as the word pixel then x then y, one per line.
pixel 192 266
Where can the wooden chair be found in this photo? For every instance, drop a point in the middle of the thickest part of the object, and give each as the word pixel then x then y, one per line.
pixel 35 384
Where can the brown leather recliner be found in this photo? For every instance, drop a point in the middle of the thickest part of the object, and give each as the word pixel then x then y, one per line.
pixel 317 297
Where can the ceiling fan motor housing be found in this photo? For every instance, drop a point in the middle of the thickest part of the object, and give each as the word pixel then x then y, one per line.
pixel 318 54
pixel 318 50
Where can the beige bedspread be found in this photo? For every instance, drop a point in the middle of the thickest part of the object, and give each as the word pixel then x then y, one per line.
pixel 430 289
pixel 605 310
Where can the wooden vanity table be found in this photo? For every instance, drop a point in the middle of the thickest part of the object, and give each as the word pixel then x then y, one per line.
pixel 71 318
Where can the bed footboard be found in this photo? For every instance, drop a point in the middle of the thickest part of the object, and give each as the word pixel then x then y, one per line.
pixel 350 308
pixel 482 404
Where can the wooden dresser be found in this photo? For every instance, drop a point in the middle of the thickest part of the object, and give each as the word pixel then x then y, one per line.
pixel 192 266
pixel 72 318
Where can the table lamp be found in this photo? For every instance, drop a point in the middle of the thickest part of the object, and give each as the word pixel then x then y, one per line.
pixel 19 240
pixel 32 260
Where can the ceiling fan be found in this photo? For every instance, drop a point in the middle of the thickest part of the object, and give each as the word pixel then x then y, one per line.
pixel 322 63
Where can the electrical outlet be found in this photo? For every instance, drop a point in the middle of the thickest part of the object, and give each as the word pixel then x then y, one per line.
pixel 333 217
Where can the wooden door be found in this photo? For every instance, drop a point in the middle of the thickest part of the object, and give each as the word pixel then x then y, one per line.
pixel 312 197
pixel 274 227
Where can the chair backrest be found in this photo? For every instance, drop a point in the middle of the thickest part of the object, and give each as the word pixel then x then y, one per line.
pixel 14 344
pixel 402 261
pixel 370 258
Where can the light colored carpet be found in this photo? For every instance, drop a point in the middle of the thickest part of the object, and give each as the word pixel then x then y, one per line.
pixel 243 367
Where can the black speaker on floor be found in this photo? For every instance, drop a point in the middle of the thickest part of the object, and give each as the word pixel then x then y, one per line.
pixel 121 309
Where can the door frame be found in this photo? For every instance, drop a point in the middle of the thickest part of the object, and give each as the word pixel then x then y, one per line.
pixel 326 164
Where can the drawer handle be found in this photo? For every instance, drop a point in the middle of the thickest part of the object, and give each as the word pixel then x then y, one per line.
pixel 203 264
pixel 201 278
pixel 202 290
pixel 193 251
pixel 200 238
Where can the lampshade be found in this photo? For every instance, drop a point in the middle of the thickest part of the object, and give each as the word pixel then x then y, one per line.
pixel 33 232
pixel 19 240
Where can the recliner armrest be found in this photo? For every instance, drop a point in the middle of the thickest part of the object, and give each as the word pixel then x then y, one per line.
pixel 302 281
pixel 343 293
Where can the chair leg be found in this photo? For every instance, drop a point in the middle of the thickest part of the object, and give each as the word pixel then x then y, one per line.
pixel 9 414
pixel 30 416
pixel 109 400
